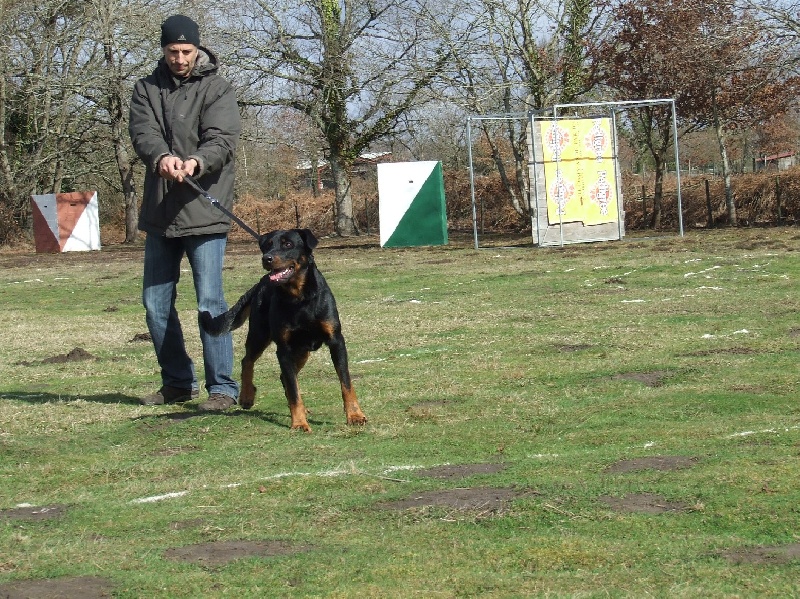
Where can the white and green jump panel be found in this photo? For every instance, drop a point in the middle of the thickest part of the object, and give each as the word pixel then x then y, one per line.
pixel 411 204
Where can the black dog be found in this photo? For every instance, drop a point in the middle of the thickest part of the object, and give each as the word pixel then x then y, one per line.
pixel 294 307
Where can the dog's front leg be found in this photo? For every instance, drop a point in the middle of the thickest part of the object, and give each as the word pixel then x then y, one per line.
pixel 352 410
pixel 290 367
pixel 247 396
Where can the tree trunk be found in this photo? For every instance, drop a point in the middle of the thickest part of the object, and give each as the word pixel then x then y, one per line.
pixel 497 158
pixel 726 167
pixel 116 112
pixel 345 224
pixel 658 196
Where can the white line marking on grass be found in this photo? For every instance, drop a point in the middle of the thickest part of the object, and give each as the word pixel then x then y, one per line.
pixel 770 431
pixel 155 498
pixel 702 272
pixel 342 471
pixel 739 332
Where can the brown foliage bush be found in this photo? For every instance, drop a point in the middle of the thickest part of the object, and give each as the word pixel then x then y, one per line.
pixel 757 197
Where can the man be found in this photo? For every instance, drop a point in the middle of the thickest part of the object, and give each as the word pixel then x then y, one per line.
pixel 184 120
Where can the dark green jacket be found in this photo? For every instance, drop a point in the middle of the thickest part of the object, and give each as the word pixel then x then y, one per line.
pixel 196 117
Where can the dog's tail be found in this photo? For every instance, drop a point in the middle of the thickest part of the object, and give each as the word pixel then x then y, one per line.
pixel 230 320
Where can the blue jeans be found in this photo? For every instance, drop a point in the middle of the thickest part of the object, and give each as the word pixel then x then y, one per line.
pixel 162 271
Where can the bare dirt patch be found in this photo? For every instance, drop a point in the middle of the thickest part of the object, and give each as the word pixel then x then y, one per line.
pixel 219 553
pixel 777 554
pixel 483 499
pixel 644 503
pixel 78 587
pixel 658 462
pixel 77 354
pixel 139 337
pixel 460 470
pixel 42 512
pixel 651 379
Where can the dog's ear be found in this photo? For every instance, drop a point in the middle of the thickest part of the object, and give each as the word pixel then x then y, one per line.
pixel 308 238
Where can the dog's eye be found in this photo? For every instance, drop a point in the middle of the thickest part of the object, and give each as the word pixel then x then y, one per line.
pixel 286 244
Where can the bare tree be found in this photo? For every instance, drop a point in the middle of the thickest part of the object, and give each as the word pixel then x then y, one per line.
pixel 44 124
pixel 123 43
pixel 525 55
pixel 638 61
pixel 715 58
pixel 123 35
pixel 67 70
pixel 353 68
pixel 739 78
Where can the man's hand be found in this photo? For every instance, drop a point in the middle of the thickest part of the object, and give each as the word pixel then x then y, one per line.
pixel 173 168
pixel 187 169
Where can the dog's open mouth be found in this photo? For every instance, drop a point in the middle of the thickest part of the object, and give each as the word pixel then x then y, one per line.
pixel 281 275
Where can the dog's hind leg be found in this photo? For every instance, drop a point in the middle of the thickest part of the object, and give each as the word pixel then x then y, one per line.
pixel 291 365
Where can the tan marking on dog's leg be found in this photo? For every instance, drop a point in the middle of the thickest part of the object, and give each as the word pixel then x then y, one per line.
pixel 298 412
pixel 297 409
pixel 351 408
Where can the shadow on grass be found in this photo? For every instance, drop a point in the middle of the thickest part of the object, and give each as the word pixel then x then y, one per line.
pixel 41 397
pixel 180 411
pixel 188 411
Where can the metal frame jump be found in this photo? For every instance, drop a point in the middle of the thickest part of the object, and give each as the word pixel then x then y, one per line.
pixel 557 112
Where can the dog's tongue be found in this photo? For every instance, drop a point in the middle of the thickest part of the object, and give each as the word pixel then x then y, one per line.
pixel 279 276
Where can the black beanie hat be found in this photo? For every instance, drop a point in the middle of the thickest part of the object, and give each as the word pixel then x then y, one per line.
pixel 179 29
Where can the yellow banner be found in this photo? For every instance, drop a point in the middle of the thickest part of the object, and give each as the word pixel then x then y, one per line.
pixel 579 171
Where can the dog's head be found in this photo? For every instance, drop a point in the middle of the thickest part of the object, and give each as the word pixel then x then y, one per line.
pixel 285 254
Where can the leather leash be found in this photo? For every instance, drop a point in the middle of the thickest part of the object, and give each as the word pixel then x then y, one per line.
pixel 196 186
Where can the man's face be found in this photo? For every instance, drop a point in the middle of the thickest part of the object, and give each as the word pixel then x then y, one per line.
pixel 180 58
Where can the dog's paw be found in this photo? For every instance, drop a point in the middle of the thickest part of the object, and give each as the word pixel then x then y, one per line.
pixel 247 399
pixel 356 419
pixel 301 426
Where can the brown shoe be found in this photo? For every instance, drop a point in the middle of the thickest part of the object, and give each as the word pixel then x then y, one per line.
pixel 168 394
pixel 217 402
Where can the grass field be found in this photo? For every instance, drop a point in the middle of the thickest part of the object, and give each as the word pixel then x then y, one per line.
pixel 601 420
